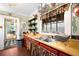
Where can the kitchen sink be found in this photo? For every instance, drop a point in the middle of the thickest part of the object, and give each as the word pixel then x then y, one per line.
pixel 46 39
pixel 55 38
pixel 49 40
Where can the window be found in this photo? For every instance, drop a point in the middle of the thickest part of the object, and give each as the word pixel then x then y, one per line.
pixel 55 25
pixel 53 29
pixel 48 28
pixel 61 26
pixel 45 27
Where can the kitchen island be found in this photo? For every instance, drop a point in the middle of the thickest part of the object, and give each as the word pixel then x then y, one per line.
pixel 56 48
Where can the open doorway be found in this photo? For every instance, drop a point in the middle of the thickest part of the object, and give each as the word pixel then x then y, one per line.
pixel 10 32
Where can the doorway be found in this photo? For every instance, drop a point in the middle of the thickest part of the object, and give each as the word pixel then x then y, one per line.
pixel 10 32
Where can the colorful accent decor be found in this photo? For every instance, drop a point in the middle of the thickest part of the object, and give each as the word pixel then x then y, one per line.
pixel 76 11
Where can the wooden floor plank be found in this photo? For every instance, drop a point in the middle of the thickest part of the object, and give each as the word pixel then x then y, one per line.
pixel 15 51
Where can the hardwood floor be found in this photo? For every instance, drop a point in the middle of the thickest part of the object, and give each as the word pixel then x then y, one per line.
pixel 15 51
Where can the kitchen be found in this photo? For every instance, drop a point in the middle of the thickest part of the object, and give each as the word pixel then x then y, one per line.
pixel 50 30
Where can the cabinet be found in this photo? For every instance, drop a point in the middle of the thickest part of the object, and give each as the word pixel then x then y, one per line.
pixel 45 52
pixel 27 43
pixel 40 51
pixel 37 48
pixel 49 50
pixel 34 49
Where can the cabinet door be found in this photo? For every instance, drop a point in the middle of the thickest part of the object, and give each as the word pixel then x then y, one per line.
pixel 25 43
pixel 48 53
pixel 34 49
pixel 45 52
pixel 28 44
pixel 52 54
pixel 50 50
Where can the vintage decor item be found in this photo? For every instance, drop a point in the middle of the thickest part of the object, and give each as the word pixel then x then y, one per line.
pixel 76 11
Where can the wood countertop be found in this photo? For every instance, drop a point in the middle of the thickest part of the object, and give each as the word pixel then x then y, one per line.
pixel 70 47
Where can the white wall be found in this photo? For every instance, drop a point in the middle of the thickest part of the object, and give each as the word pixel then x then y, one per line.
pixel 18 29
pixel 38 21
pixel 1 33
pixel 23 25
pixel 67 20
pixel 39 24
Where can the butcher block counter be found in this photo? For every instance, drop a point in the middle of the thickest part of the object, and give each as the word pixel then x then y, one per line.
pixel 70 47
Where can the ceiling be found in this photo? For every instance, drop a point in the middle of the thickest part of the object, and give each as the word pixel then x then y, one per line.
pixel 25 9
